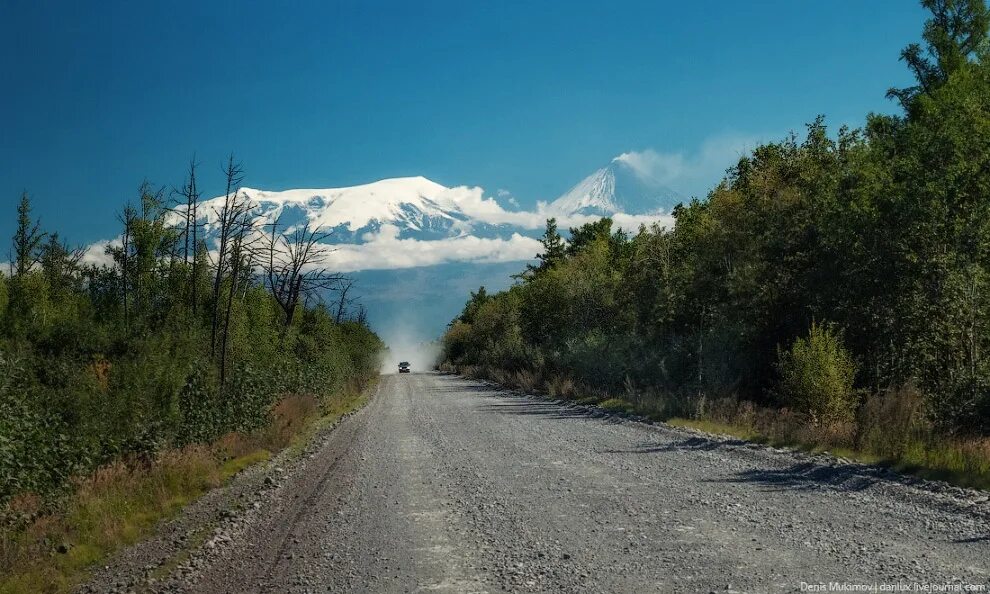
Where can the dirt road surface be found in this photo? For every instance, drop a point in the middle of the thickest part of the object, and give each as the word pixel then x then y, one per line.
pixel 446 484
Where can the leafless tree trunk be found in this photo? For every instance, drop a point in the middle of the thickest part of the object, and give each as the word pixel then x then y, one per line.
pixel 240 259
pixel 190 213
pixel 228 218
pixel 194 222
pixel 343 302
pixel 291 267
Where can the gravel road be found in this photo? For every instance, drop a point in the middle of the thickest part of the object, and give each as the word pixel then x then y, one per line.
pixel 446 484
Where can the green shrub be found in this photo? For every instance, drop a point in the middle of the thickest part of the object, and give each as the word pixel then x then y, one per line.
pixel 816 376
pixel 199 407
pixel 35 448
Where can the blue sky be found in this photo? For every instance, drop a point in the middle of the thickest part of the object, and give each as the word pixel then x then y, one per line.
pixel 528 97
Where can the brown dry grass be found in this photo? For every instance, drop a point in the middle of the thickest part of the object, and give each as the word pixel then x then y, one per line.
pixel 561 387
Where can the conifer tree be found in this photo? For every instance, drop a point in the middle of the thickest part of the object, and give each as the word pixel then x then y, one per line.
pixel 27 239
pixel 553 249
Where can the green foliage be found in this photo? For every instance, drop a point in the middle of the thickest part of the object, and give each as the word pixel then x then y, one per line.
pixel 954 34
pixel 476 300
pixel 199 407
pixel 816 376
pixel 35 447
pixel 553 252
pixel 884 231
pixel 105 363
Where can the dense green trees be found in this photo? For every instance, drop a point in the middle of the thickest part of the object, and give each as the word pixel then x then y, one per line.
pixel 167 344
pixel 880 235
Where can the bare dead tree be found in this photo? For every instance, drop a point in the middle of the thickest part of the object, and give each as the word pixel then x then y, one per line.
pixel 343 302
pixel 228 219
pixel 187 210
pixel 193 214
pixel 241 263
pixel 291 266
pixel 190 214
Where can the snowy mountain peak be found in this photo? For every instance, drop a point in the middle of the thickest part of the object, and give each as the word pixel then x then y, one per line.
pixel 414 205
pixel 619 187
pixel 385 201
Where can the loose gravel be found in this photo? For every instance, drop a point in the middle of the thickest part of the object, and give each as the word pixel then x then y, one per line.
pixel 448 484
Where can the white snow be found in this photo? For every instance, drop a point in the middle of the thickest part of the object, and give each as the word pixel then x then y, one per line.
pixel 597 191
pixel 413 221
pixel 405 200
pixel 620 187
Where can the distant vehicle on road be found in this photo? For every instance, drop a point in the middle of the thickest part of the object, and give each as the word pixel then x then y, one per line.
pixel 404 367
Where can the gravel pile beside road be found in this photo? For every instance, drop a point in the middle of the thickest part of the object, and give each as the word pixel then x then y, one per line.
pixel 443 483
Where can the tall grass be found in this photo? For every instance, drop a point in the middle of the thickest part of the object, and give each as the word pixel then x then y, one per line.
pixel 119 503
pixel 890 428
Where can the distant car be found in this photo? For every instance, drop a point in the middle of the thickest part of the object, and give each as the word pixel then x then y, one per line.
pixel 404 367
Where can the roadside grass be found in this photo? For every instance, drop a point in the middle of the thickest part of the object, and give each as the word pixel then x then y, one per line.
pixel 109 509
pixel 715 427
pixel 965 463
pixel 617 405
pixel 890 429
pixel 235 465
pixel 119 504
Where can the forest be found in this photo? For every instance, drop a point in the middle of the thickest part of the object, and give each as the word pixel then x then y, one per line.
pixel 833 289
pixel 203 341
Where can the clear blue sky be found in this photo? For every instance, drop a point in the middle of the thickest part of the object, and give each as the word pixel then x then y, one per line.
pixel 530 97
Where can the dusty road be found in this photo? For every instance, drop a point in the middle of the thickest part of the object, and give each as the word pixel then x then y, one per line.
pixel 441 483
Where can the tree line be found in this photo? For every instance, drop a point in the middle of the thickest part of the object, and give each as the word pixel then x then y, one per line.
pixel 824 270
pixel 202 316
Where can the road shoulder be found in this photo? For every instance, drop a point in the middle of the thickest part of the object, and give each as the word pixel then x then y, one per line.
pixel 183 545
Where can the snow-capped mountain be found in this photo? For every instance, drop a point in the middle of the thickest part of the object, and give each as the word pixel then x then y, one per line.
pixel 618 187
pixel 416 207
pixel 412 240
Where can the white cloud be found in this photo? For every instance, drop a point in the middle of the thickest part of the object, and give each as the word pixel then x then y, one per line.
pixel 650 165
pixel 632 223
pixel 385 250
pixel 508 197
pixel 96 253
pixel 472 202
pixel 692 173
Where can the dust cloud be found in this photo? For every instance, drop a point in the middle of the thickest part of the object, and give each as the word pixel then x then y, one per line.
pixel 405 344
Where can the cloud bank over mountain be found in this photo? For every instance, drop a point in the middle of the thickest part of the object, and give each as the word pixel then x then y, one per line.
pixel 417 247
pixel 385 250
